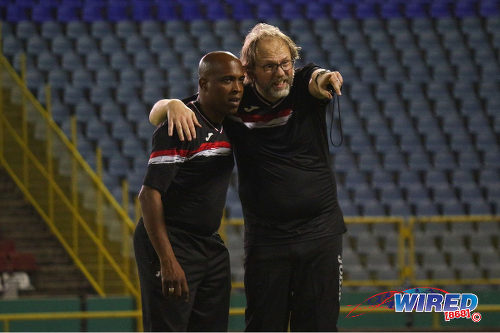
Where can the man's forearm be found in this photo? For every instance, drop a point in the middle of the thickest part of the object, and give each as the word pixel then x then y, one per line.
pixel 152 212
pixel 158 113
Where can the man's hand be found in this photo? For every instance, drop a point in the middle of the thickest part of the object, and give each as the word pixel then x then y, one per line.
pixel 178 115
pixel 333 79
pixel 322 81
pixel 173 280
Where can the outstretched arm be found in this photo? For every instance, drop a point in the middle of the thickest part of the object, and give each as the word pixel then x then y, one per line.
pixel 178 115
pixel 321 79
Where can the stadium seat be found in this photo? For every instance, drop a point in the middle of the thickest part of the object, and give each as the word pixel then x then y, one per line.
pixel 67 12
pixel 82 78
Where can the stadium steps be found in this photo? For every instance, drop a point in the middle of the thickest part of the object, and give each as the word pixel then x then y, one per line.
pixel 56 274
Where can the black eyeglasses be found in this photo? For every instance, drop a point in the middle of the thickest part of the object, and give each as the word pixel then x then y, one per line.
pixel 271 68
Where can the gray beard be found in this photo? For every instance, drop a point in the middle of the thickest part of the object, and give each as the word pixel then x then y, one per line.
pixel 280 93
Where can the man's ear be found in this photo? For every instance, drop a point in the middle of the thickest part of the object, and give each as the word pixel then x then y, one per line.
pixel 202 82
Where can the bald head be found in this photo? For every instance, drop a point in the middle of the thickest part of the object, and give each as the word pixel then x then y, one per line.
pixel 220 85
pixel 213 61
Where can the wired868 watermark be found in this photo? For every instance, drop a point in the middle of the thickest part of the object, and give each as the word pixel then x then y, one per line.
pixel 452 305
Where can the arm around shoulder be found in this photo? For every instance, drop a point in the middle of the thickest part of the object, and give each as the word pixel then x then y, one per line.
pixel 178 115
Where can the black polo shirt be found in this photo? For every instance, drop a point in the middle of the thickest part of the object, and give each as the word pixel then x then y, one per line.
pixel 286 185
pixel 192 176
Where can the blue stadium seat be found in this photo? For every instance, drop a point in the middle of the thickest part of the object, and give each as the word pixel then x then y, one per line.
pixel 36 45
pixel 92 12
pixel 452 207
pixel 373 208
pixel 394 161
pixel 75 29
pixel 85 44
pixel 120 60
pixel 42 12
pixel 150 28
pixel 385 143
pixel 166 11
pixel 154 76
pixel 315 11
pixel 464 8
pixel 106 78
pixel 469 160
pixel 390 193
pixel 67 12
pixel 462 177
pixel 368 161
pixel 58 78
pixel 241 11
pixel 418 161
pixel 425 208
pixel 99 95
pixel 145 131
pixel 82 78
pixel 100 29
pixel 110 44
pixel 183 43
pixel 73 95
pixel 143 59
pixel 160 45
pixel 440 9
pixel 190 11
pixel 489 8
pixel 60 45
pixel 117 11
pixel 291 11
pixel 381 178
pixel 96 61
pixel 16 13
pixel 136 111
pixel 399 208
pixel 469 192
pixel 126 94
pixel 152 93
pixel 478 206
pixel 353 178
pixel 391 10
pixel 442 192
pixel 339 10
pixel 11 45
pixel 96 130
pixel 215 11
pixel 365 10
pixel 120 128
pixel 141 10
pixel 117 166
pixel 126 29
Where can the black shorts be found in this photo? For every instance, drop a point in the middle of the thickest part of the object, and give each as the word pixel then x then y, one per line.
pixel 205 261
pixel 297 284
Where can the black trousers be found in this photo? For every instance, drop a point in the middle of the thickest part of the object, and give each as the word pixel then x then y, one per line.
pixel 296 283
pixel 205 261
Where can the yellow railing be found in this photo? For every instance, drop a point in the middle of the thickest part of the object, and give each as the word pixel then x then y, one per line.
pixel 406 249
pixel 414 222
pixel 71 198
pixel 7 318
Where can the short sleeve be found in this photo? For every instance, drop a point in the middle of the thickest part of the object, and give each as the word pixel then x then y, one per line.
pixel 167 156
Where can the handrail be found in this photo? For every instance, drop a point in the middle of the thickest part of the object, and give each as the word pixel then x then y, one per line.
pixel 7 318
pixel 56 198
pixel 406 248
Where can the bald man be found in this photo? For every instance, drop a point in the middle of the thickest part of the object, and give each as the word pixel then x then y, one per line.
pixel 182 262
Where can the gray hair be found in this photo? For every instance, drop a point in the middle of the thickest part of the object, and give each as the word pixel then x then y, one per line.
pixel 259 32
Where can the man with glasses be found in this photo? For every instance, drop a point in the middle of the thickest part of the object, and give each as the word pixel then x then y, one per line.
pixel 293 223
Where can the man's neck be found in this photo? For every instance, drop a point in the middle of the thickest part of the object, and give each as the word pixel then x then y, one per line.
pixel 214 117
